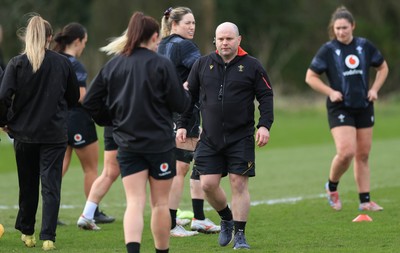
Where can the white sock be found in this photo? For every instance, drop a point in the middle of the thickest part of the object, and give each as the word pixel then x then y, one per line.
pixel 90 208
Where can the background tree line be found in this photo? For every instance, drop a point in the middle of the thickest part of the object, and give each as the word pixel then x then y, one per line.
pixel 284 35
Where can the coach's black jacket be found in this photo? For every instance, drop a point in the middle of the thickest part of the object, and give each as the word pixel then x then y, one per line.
pixel 226 93
pixel 34 106
pixel 137 95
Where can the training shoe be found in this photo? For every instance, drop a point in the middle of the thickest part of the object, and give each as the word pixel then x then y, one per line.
pixel 179 231
pixel 186 214
pixel 333 198
pixel 102 218
pixel 87 224
pixel 60 223
pixel 29 240
pixel 48 245
pixel 182 222
pixel 240 241
pixel 370 206
pixel 204 226
pixel 226 235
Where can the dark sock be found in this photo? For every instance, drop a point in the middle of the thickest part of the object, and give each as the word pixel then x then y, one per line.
pixel 240 226
pixel 173 217
pixel 97 211
pixel 364 197
pixel 333 186
pixel 133 247
pixel 198 209
pixel 162 250
pixel 225 213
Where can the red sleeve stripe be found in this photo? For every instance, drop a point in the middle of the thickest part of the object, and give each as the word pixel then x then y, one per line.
pixel 265 81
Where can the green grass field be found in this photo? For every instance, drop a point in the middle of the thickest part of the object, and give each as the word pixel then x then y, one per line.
pixel 289 213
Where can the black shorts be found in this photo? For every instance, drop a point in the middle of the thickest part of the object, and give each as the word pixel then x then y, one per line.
pixel 81 128
pixel 194 175
pixel 160 165
pixel 186 156
pixel 183 155
pixel 237 158
pixel 344 116
pixel 109 143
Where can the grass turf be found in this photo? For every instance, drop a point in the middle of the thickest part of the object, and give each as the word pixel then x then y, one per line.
pixel 290 212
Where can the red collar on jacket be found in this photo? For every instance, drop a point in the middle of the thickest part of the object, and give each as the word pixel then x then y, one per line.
pixel 240 52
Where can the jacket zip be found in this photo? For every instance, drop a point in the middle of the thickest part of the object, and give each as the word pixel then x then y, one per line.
pixel 221 92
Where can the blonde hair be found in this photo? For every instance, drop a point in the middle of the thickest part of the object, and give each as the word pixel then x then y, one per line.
pixel 36 34
pixel 140 29
pixel 172 15
pixel 117 45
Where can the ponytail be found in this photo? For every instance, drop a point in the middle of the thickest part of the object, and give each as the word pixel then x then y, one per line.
pixel 140 29
pixel 37 32
pixel 116 45
pixel 68 35
pixel 172 15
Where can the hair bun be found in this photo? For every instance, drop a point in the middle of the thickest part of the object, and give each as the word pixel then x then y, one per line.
pixel 167 12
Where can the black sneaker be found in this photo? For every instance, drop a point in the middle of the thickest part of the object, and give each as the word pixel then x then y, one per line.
pixel 240 241
pixel 102 218
pixel 225 236
pixel 60 223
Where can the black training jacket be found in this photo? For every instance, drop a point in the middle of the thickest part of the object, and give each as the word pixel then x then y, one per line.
pixel 226 93
pixel 34 106
pixel 137 95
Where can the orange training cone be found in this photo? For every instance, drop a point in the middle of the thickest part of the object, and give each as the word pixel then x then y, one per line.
pixel 362 217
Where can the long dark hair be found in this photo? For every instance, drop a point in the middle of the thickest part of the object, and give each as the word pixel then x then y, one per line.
pixel 340 13
pixel 140 29
pixel 69 34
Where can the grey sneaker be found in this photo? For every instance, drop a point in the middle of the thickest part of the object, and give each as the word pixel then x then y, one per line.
pixel 240 241
pixel 226 235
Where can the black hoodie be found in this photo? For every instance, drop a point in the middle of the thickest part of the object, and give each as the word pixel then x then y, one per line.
pixel 137 95
pixel 226 93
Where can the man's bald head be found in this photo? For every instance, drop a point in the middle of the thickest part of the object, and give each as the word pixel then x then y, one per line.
pixel 227 40
pixel 228 26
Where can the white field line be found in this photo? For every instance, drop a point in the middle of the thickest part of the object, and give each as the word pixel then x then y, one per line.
pixel 290 200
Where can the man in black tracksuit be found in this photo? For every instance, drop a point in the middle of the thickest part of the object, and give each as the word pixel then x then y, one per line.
pixel 226 83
